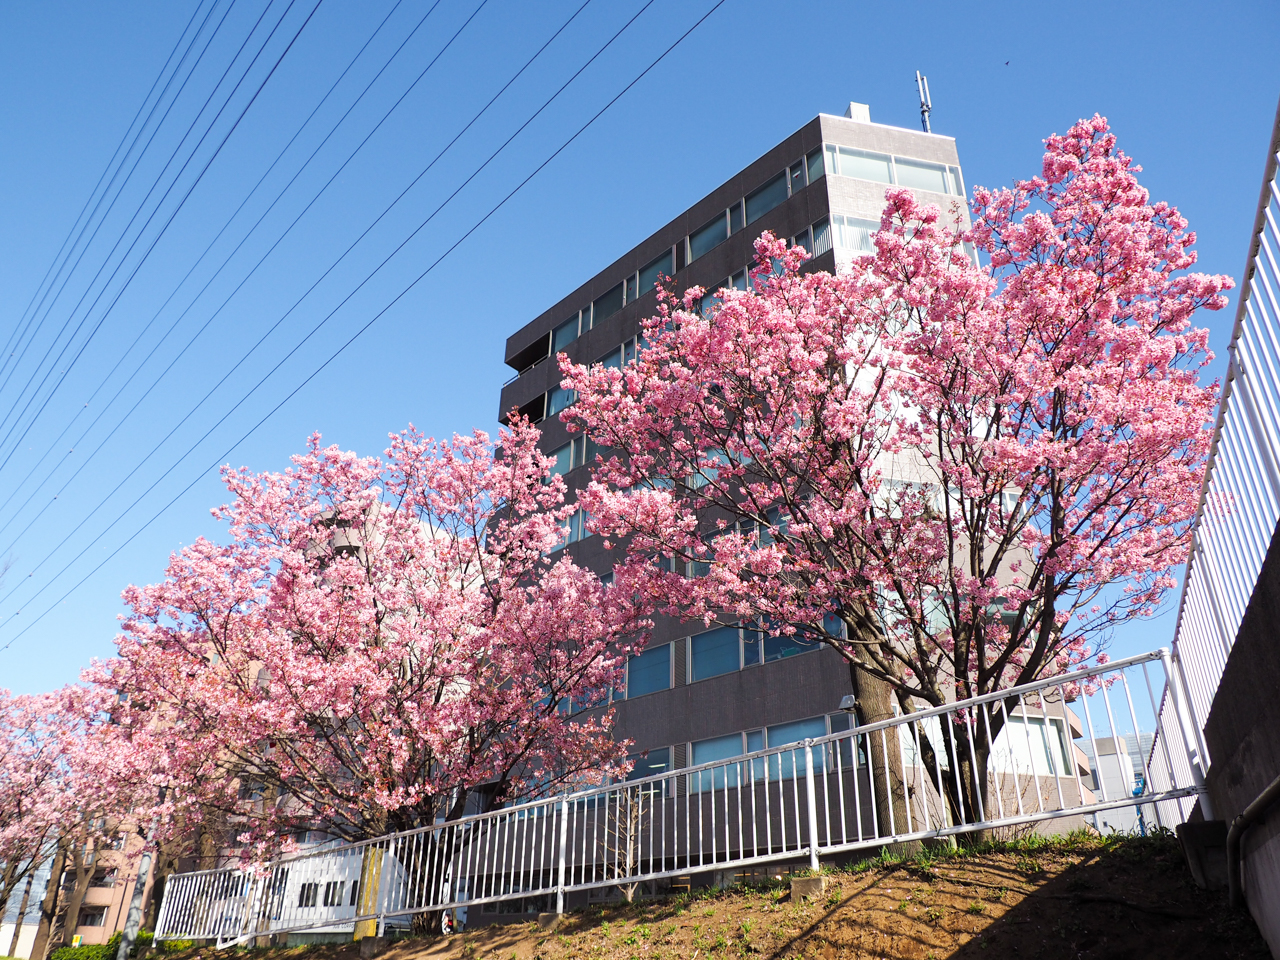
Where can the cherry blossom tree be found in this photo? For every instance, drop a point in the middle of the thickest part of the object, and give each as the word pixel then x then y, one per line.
pixel 37 797
pixel 960 477
pixel 378 641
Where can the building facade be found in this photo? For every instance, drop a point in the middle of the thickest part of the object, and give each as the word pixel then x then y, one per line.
pixel 696 695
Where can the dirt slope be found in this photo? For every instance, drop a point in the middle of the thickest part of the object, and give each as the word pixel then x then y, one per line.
pixel 1079 899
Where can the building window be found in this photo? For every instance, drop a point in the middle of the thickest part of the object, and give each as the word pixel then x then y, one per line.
pixel 882 168
pixel 715 652
pixel 767 197
pixel 607 305
pixel 621 355
pixel 93 916
pixel 576 453
pixel 855 235
pixel 781 766
pixel 650 763
pixel 103 877
pixel 651 274
pixel 708 237
pixel 308 894
pixel 920 175
pixel 710 751
pixel 778 647
pixel 574 528
pixel 649 672
pixel 814 160
pixel 564 334
pixel 796 178
pixel 558 398
pixel 566 457
pixel 821 237
pixel 333 893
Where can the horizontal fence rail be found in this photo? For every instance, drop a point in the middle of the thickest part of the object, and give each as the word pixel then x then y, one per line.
pixel 906 778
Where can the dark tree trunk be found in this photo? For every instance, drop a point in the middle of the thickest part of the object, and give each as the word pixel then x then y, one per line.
pixel 888 781
pixel 22 908
pixel 82 862
pixel 49 905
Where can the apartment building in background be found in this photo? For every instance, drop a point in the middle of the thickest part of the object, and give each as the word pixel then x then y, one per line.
pixel 694 695
pixel 104 902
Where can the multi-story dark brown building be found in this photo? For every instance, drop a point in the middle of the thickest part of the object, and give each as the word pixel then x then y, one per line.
pixel 699 695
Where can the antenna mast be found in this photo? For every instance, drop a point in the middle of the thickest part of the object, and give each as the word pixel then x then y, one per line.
pixel 926 106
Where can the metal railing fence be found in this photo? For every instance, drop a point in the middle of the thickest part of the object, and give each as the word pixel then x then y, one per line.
pixel 1240 499
pixel 907 778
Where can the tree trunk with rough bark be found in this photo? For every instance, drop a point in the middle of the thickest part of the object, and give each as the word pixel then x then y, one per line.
pixel 888 781
pixel 49 905
pixel 83 858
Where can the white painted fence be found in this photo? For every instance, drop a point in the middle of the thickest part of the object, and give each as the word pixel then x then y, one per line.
pixel 1240 500
pixel 795 803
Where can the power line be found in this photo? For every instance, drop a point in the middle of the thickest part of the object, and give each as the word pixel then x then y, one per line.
pixel 280 156
pixel 331 267
pixel 62 378
pixel 142 204
pixel 22 331
pixel 316 372
pixel 210 319
pixel 92 193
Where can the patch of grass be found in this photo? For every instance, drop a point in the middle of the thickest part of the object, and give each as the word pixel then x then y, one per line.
pixel 976 908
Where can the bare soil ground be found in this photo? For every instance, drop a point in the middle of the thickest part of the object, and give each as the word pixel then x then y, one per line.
pixel 1076 898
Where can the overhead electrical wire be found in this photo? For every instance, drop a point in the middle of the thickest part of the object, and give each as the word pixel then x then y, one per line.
pixel 53 445
pixel 58 260
pixel 141 205
pixel 331 267
pixel 227 136
pixel 210 319
pixel 22 329
pixel 341 349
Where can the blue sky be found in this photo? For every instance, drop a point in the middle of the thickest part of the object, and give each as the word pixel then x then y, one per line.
pixel 1190 94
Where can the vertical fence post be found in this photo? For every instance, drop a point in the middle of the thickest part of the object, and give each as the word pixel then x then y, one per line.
pixel 811 793
pixel 564 838
pixel 1194 756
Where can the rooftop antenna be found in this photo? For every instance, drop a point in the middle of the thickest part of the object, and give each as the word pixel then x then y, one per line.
pixel 922 85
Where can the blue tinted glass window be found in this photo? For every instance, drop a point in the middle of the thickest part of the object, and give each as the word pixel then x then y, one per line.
pixel 783 765
pixel 564 334
pixel 651 763
pixel 708 237
pixel 558 399
pixel 653 272
pixel 607 305
pixel 714 652
pixel 709 751
pixel 613 358
pixel 775 647
pixel 564 459
pixel 767 197
pixel 815 165
pixel 649 672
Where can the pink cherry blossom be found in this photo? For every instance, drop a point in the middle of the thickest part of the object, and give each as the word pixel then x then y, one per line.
pixel 974 473
pixel 377 641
